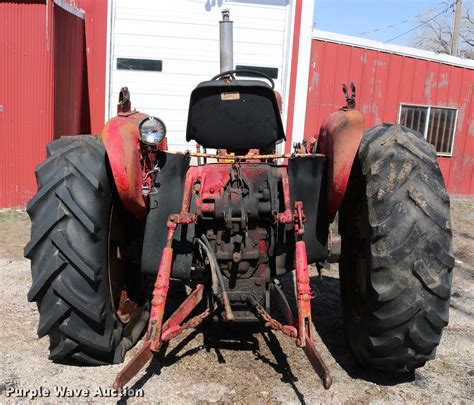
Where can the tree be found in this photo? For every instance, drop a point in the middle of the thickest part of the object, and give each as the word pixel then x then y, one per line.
pixel 436 33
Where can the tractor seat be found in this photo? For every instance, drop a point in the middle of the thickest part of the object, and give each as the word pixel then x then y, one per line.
pixel 234 115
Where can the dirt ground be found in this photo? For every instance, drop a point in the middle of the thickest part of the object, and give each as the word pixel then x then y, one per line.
pixel 251 367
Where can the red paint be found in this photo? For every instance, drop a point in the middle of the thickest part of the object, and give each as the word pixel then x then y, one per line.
pixel 185 308
pixel 139 360
pixel 285 217
pixel 293 75
pixel 303 292
pixel 96 46
pixel 299 218
pixel 171 329
pixel 37 104
pixel 383 81
pixel 121 140
pixel 71 98
pixel 208 182
pixel 339 140
pixel 158 302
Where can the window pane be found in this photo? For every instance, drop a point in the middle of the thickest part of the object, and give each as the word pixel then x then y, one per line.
pixel 441 129
pixel 139 64
pixel 414 117
pixel 270 71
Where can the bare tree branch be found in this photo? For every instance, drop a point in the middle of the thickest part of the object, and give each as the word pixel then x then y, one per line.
pixel 436 35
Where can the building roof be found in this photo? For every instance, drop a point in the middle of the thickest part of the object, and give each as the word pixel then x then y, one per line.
pixel 391 48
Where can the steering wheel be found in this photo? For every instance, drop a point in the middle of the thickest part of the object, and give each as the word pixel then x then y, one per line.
pixel 253 72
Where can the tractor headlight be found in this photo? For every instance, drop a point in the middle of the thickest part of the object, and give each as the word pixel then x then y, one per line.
pixel 152 131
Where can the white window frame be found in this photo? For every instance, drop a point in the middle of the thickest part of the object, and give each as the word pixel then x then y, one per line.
pixel 425 131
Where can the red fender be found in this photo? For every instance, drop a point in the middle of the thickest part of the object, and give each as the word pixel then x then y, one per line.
pixel 121 139
pixel 122 143
pixel 339 139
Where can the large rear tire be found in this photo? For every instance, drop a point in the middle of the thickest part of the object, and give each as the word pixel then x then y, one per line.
pixel 78 250
pixel 396 254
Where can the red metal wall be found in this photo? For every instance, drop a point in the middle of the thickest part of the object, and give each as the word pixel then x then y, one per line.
pixel 383 81
pixel 96 46
pixel 26 94
pixel 71 96
pixel 43 89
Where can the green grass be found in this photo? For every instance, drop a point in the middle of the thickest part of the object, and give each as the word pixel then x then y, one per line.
pixel 12 214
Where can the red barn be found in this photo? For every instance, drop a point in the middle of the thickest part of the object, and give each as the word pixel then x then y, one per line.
pixel 52 83
pixel 429 92
pixel 62 69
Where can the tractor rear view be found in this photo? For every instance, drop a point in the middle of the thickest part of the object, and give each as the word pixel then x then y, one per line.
pixel 118 219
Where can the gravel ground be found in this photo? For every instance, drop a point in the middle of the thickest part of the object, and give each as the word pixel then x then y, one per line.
pixel 241 366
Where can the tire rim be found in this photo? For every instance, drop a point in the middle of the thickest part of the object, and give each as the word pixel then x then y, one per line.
pixel 123 306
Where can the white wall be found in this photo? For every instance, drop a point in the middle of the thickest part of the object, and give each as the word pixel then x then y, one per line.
pixel 184 34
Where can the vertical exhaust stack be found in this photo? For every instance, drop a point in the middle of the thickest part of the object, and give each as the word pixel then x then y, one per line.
pixel 226 40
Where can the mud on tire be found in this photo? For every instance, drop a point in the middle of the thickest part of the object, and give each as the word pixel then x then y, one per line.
pixel 396 256
pixel 69 255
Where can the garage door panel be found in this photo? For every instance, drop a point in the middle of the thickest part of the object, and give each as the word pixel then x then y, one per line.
pixel 167 30
pixel 184 35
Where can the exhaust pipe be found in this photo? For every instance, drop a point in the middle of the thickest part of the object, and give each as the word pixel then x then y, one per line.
pixel 226 40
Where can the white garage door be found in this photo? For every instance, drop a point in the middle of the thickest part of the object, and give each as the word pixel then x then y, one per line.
pixel 162 49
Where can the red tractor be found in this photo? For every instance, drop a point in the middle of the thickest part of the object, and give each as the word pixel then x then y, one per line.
pixel 118 217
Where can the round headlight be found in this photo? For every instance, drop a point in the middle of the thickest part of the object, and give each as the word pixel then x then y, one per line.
pixel 152 131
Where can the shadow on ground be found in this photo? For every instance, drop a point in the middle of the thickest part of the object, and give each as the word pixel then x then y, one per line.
pixel 327 318
pixel 232 337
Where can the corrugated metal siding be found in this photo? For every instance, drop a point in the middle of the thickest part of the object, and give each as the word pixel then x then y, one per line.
pixel 26 94
pixel 96 44
pixel 37 99
pixel 184 34
pixel 71 98
pixel 383 81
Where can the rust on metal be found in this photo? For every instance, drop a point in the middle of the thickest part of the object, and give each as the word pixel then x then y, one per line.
pixel 283 303
pixel 350 97
pixel 228 314
pixel 317 362
pixel 285 217
pixel 124 105
pixel 339 140
pixel 142 357
pixel 158 302
pixel 176 330
pixel 299 218
pixel 122 143
pixel 272 323
pixel 303 292
pixel 309 347
pixel 125 308
pixel 185 308
pixel 231 157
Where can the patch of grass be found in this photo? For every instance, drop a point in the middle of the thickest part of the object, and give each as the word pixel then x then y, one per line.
pixel 446 364
pixel 462 204
pixel 12 214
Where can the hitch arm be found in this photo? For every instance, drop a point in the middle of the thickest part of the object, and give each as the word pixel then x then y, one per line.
pixel 309 349
pixel 300 325
pixel 144 355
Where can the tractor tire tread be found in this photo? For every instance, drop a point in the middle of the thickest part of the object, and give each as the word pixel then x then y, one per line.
pixel 69 215
pixel 410 250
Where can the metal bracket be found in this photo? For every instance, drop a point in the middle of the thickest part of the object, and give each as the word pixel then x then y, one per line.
pixel 309 349
pixel 350 98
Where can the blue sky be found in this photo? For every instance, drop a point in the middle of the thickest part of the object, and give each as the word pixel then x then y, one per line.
pixel 352 17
